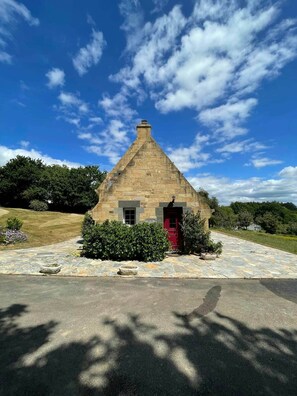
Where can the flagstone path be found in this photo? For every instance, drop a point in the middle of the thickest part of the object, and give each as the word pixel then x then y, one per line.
pixel 240 259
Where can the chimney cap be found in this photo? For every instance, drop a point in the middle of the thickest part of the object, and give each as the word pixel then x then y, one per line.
pixel 143 123
pixel 143 130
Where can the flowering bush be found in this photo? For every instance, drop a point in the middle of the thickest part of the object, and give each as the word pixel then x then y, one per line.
pixel 12 236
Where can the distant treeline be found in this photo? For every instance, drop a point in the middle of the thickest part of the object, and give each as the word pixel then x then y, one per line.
pixel 273 217
pixel 23 180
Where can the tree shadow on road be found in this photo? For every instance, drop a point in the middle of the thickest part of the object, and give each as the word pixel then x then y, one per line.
pixel 207 355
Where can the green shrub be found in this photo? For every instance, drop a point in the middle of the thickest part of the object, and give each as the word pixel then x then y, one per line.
pixel 195 238
pixel 14 223
pixel 282 229
pixel 2 236
pixel 213 247
pixel 292 228
pixel 194 235
pixel 87 224
pixel 111 240
pixel 269 222
pixel 151 242
pixel 114 240
pixel 37 205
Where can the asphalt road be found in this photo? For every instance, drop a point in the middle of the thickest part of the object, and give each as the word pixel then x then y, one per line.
pixel 91 336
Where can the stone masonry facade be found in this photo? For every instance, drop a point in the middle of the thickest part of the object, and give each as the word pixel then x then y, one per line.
pixel 147 181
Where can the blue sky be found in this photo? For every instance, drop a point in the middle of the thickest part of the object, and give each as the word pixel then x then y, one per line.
pixel 217 80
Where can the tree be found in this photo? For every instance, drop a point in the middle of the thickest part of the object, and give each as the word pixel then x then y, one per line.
pixel 18 176
pixel 292 228
pixel 244 219
pixel 72 189
pixel 212 202
pixel 224 217
pixel 55 180
pixel 268 222
pixel 83 183
pixel 24 179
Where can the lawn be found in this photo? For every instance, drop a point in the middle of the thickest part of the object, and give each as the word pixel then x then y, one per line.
pixel 43 228
pixel 287 243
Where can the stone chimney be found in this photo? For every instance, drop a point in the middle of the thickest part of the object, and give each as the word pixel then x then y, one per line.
pixel 143 130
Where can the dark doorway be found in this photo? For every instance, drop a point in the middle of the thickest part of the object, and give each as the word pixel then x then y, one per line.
pixel 172 219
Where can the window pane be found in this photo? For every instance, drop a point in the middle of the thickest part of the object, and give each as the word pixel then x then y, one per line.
pixel 172 222
pixel 129 216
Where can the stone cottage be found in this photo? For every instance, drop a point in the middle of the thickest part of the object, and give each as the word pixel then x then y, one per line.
pixel 145 185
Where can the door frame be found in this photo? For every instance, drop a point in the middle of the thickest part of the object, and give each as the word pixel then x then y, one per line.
pixel 178 212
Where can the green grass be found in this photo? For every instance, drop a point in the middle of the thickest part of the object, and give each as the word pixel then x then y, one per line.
pixel 287 243
pixel 43 228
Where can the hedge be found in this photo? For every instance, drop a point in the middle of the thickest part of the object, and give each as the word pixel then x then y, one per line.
pixel 114 240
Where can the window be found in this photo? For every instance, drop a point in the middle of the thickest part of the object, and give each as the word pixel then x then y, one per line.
pixel 172 222
pixel 129 216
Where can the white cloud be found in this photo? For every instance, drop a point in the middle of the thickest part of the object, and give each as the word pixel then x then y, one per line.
pixel 5 57
pixel 24 144
pixel 90 20
pixel 157 39
pixel 71 100
pixel 110 143
pixel 226 119
pixel 96 120
pixel 7 154
pixel 89 55
pixel 159 5
pixel 56 77
pixel 242 146
pixel 134 21
pixel 18 102
pixel 289 172
pixel 72 120
pixel 10 9
pixel 211 61
pixel 186 158
pixel 23 86
pixel 10 13
pixel 107 138
pixel 282 188
pixel 117 106
pixel 194 156
pixel 85 136
pixel 262 162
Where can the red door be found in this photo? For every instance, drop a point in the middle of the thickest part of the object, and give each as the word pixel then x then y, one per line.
pixel 172 219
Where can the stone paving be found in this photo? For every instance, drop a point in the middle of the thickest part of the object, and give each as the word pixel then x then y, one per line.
pixel 240 259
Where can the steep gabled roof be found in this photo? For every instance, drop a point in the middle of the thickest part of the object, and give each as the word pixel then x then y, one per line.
pixel 143 137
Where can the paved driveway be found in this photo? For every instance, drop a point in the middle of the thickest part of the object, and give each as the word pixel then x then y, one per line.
pixel 240 259
pixel 114 336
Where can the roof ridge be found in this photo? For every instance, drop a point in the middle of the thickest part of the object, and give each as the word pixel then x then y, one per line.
pixel 121 165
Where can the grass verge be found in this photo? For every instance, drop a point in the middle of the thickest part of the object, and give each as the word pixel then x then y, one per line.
pixel 287 243
pixel 43 228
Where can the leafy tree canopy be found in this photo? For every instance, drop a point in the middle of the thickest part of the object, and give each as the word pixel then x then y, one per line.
pixel 24 179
